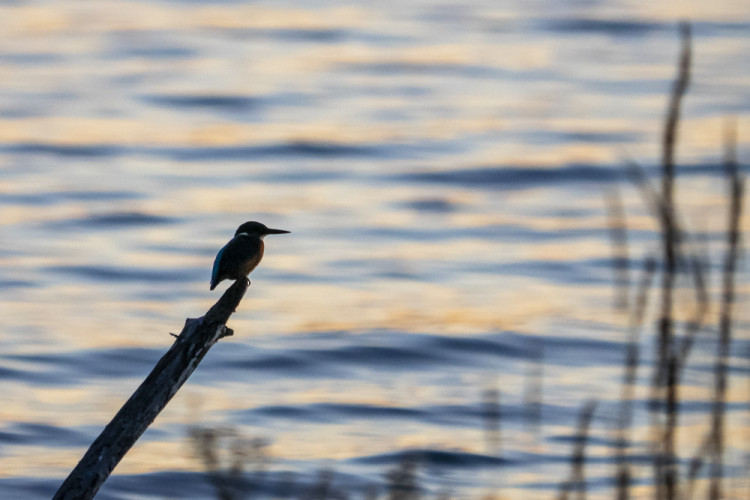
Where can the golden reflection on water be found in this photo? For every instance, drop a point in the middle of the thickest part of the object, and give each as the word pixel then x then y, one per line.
pixel 470 304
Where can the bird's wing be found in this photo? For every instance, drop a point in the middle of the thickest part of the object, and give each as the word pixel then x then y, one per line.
pixel 216 271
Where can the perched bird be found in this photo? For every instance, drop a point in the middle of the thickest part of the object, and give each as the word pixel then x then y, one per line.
pixel 242 254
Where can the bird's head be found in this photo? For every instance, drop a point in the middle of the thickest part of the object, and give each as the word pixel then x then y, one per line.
pixel 257 229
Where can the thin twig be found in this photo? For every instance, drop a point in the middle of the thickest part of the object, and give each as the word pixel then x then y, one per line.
pixel 619 237
pixel 632 359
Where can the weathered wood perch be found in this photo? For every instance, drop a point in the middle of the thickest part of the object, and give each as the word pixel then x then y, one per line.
pixel 172 370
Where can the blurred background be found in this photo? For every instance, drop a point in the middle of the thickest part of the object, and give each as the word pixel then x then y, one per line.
pixel 445 299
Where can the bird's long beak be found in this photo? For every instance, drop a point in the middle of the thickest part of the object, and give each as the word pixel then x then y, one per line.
pixel 276 231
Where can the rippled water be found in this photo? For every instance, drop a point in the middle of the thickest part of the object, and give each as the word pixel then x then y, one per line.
pixel 442 168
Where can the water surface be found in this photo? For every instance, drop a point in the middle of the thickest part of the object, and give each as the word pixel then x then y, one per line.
pixel 442 168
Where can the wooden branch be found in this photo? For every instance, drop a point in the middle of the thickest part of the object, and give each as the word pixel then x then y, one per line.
pixel 172 370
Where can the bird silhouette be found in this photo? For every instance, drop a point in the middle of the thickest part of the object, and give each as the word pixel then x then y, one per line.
pixel 242 254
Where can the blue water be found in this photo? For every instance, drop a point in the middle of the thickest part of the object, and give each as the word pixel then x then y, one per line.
pixel 442 168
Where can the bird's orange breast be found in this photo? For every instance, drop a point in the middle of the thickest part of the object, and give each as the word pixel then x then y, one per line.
pixel 254 260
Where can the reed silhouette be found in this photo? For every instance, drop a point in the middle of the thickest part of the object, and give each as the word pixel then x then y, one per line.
pixel 679 263
pixel 577 481
pixel 226 455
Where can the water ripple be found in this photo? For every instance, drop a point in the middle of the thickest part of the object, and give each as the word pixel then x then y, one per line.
pixel 66 150
pixel 121 219
pixel 515 177
pixel 432 457
pixel 64 196
pixel 64 368
pixel 29 432
pixel 207 101
pixel 331 412
pixel 114 273
pixel 306 149
pixel 612 27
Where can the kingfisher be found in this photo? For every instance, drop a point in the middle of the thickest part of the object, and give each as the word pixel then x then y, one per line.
pixel 242 254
